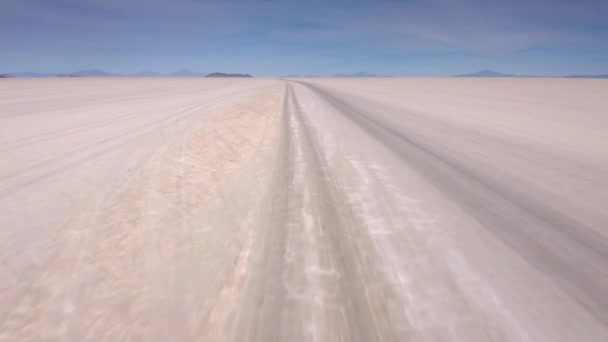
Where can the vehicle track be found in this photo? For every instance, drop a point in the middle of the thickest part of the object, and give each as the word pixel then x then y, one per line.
pixel 539 226
pixel 280 210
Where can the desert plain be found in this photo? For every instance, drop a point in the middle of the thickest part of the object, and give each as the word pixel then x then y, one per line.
pixel 387 209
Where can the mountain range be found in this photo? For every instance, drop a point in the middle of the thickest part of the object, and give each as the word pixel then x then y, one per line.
pixel 190 73
pixel 102 73
pixel 492 73
pixel 221 74
pixel 150 73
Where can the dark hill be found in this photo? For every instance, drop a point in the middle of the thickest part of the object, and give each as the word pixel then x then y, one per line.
pixel 221 74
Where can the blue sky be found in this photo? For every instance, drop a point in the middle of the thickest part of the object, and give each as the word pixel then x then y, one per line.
pixel 273 37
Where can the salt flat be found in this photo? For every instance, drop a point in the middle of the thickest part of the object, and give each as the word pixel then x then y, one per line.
pixel 304 209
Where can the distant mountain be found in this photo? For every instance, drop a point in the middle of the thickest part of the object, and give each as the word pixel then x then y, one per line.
pixel 102 73
pixel 33 74
pixel 587 76
pixel 92 73
pixel 5 76
pixel 492 73
pixel 357 74
pixel 221 74
pixel 81 73
pixel 486 73
pixel 177 73
pixel 147 73
pixel 186 73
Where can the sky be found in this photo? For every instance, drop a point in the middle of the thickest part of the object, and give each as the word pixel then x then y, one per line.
pixel 306 37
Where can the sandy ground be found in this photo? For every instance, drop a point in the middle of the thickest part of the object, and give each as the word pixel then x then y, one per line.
pixel 303 210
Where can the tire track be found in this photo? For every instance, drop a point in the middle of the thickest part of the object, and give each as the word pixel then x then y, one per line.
pixel 103 146
pixel 314 268
pixel 153 250
pixel 554 243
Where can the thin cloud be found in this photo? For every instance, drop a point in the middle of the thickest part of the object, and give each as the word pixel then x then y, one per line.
pixel 241 30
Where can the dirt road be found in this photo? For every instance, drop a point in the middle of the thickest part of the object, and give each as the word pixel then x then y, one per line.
pixel 310 209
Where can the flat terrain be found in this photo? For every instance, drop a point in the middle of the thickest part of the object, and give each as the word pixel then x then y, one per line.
pixel 303 209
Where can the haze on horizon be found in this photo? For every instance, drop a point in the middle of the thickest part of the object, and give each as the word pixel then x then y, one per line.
pixel 273 38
